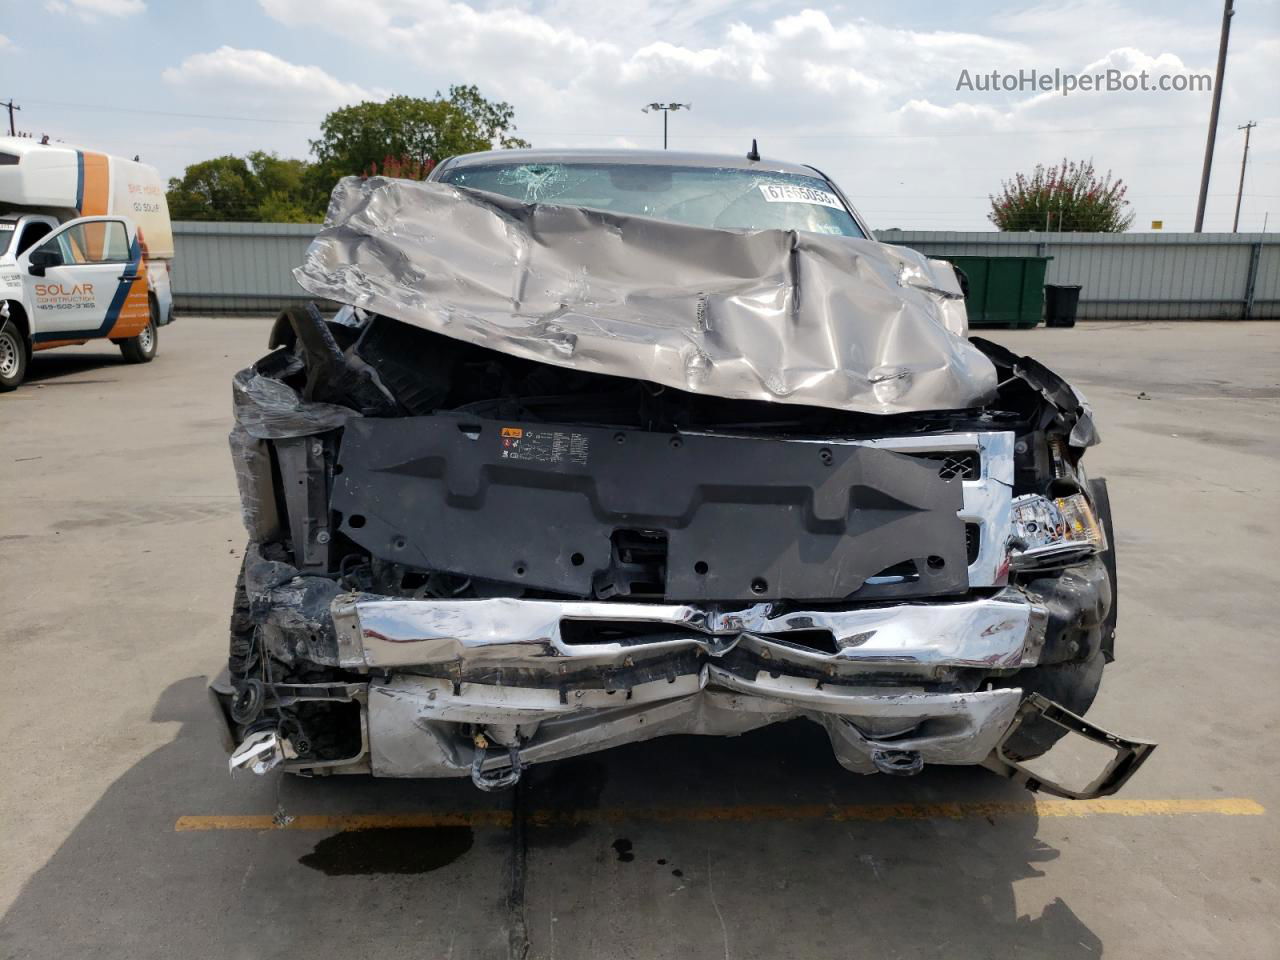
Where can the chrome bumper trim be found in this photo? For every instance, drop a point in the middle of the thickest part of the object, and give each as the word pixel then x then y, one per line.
pixel 413 721
pixel 990 633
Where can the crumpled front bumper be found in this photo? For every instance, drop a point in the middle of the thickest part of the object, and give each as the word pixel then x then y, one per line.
pixel 455 685
pixel 485 687
pixel 529 672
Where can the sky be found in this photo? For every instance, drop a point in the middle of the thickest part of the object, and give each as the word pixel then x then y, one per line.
pixel 866 92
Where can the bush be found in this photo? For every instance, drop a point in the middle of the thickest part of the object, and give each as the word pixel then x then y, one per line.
pixel 1068 198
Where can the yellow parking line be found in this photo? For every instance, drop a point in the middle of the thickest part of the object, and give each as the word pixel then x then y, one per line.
pixel 743 813
pixel 346 821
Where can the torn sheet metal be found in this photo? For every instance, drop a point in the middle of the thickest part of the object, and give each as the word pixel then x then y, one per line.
pixel 1127 755
pixel 776 315
pixel 1070 403
pixel 260 752
pixel 290 610
pixel 252 462
pixel 269 409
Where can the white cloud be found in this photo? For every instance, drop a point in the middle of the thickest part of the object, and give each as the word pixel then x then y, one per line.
pixel 258 75
pixel 927 117
pixel 1075 30
pixel 873 104
pixel 450 33
pixel 800 66
pixel 93 9
pixel 6 43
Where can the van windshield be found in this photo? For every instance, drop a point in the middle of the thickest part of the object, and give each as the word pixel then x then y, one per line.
pixel 7 233
pixel 722 197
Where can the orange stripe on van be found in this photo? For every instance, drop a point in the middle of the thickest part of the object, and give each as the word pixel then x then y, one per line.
pixel 94 204
pixel 135 312
pixel 96 182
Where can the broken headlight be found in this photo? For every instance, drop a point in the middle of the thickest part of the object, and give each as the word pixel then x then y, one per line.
pixel 1053 531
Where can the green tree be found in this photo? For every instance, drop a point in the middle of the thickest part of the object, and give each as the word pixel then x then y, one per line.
pixel 283 175
pixel 223 188
pixel 403 137
pixel 408 136
pixel 290 190
pixel 1070 197
pixel 282 208
pixel 258 187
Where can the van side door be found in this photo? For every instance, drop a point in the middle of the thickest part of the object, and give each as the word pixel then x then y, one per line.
pixel 83 279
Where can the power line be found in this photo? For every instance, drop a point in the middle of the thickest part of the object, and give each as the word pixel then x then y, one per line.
pixel 109 108
pixel 1243 162
pixel 12 107
pixel 105 108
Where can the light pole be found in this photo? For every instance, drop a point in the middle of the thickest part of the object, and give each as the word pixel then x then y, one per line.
pixel 666 108
pixel 1227 14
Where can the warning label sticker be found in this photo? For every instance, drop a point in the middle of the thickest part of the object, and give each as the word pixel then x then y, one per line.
pixel 544 446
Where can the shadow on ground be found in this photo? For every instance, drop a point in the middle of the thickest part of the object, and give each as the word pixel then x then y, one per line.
pixel 54 368
pixel 125 884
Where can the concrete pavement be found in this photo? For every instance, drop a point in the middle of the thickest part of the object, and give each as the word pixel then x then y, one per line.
pixel 121 540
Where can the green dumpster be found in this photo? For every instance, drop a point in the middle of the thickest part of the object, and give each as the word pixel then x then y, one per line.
pixel 1003 291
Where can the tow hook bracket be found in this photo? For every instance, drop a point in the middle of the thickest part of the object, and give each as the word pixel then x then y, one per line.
pixel 1129 754
pixel 500 779
pixel 898 763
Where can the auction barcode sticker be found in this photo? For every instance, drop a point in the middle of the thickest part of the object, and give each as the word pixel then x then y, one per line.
pixel 791 193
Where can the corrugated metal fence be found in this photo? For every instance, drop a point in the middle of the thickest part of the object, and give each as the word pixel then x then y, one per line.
pixel 247 268
pixel 1138 276
pixel 237 267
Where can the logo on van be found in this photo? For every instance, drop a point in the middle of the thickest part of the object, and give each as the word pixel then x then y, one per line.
pixel 61 290
pixel 63 296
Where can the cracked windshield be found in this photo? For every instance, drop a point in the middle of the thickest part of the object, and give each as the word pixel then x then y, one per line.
pixel 718 197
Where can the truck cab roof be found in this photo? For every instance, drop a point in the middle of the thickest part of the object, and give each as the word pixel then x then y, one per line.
pixel 672 158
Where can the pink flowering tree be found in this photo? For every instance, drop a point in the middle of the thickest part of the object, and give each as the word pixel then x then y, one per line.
pixel 1066 197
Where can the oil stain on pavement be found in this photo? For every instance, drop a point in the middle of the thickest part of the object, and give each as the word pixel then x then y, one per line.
pixel 393 850
pixel 622 847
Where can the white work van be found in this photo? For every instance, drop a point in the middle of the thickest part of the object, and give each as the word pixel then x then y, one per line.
pixel 86 249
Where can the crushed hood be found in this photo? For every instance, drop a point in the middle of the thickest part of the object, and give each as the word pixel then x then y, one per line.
pixel 775 315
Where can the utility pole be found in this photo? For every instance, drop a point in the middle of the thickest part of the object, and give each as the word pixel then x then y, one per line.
pixel 13 132
pixel 1235 227
pixel 1227 14
pixel 666 108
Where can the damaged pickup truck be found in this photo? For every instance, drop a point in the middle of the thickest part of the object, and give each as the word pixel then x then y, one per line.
pixel 604 446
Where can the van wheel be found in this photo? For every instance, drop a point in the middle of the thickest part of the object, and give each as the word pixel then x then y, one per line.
pixel 142 348
pixel 13 357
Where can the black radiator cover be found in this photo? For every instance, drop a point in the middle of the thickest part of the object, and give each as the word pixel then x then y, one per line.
pixel 537 504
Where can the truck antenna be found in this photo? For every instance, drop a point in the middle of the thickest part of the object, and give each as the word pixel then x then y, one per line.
pixel 754 152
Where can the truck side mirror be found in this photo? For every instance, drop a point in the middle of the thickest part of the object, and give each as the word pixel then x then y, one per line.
pixel 40 259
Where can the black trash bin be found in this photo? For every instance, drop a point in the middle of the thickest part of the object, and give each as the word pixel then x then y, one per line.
pixel 1060 303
